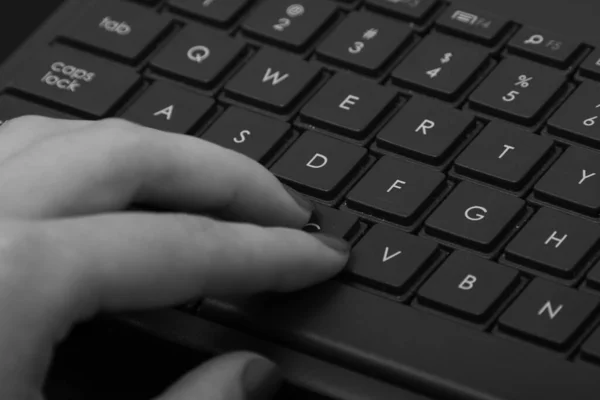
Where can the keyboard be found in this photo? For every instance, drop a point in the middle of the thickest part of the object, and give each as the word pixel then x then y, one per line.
pixel 456 150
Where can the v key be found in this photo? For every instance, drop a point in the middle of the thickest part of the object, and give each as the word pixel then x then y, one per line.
pixel 387 257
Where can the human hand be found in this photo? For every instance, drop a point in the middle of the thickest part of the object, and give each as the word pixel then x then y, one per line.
pixel 69 251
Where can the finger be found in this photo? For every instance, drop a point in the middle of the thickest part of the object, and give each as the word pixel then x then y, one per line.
pixel 117 262
pixel 18 134
pixel 235 376
pixel 112 164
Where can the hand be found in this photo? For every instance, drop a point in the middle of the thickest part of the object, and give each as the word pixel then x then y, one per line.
pixel 69 251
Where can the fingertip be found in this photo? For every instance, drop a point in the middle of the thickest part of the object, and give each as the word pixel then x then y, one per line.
pixel 305 206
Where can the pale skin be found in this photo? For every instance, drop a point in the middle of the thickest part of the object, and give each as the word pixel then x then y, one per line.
pixel 69 250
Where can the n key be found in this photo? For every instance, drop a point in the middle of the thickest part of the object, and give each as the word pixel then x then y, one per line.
pixel 573 182
pixel 548 313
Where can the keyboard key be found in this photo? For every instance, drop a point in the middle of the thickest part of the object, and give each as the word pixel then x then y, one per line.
pixel 577 118
pixel 543 46
pixel 473 24
pixel 121 29
pixel 85 83
pixel 591 347
pixel 13 107
pixel 292 24
pixel 440 65
pixel 411 10
pixel 518 90
pixel 390 259
pixel 251 134
pixel 474 216
pixel 425 129
pixel 554 242
pixel 169 108
pixel 198 55
pixel 548 313
pixel 572 182
pixel 593 277
pixel 333 222
pixel 219 12
pixel 590 68
pixel 364 42
pixel 273 80
pixel 467 286
pixel 504 155
pixel 319 165
pixel 395 190
pixel 349 105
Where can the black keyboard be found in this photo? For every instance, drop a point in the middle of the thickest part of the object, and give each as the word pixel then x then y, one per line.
pixel 456 150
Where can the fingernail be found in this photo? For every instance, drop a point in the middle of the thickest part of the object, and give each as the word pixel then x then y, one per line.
pixel 333 242
pixel 261 379
pixel 305 204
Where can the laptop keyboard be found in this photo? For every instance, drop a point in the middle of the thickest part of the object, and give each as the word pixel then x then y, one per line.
pixel 456 150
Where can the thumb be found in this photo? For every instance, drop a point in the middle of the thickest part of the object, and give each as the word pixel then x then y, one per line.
pixel 235 376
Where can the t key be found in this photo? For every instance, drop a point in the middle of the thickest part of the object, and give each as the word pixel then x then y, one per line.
pixel 518 90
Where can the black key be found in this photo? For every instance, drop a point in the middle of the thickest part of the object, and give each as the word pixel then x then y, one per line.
pixel 548 313
pixel 333 222
pixel 121 29
pixel 292 24
pixel 349 105
pixel 518 90
pixel 364 42
pixel 169 108
pixel 425 129
pixel 504 155
pixel 396 190
pixel 219 12
pixel 318 164
pixel 76 80
pixel 251 134
pixel 593 277
pixel 544 46
pixel 572 182
pixel 198 55
pixel 577 118
pixel 590 68
pixel 411 10
pixel 468 286
pixel 13 107
pixel 381 337
pixel 473 24
pixel 390 259
pixel 554 242
pixel 591 347
pixel 474 216
pixel 440 65
pixel 272 79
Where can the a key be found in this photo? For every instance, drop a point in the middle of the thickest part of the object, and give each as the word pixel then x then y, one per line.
pixel 593 277
pixel 425 129
pixel 577 118
pixel 544 47
pixel 590 68
pixel 591 347
pixel 121 29
pixel 503 154
pixel 467 286
pixel 517 90
pixel 333 222
pixel 395 190
pixel 573 182
pixel 251 134
pixel 554 242
pixel 198 55
pixel 411 10
pixel 390 259
pixel 76 80
pixel 548 313
pixel 364 42
pixel 13 107
pixel 318 164
pixel 348 104
pixel 169 108
pixel 273 80
pixel 440 65
pixel 474 216
pixel 292 24
pixel 218 12
pixel 473 24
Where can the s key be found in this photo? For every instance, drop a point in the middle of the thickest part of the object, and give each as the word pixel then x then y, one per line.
pixel 517 90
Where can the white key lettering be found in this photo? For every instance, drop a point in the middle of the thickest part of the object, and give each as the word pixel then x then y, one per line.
pixel 425 125
pixel 552 312
pixel 586 176
pixel 468 283
pixel 315 158
pixel 350 101
pixel 477 216
pixel 276 77
pixel 167 112
pixel 395 185
pixel 554 238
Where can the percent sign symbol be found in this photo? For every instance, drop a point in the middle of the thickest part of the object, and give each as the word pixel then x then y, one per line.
pixel 523 81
